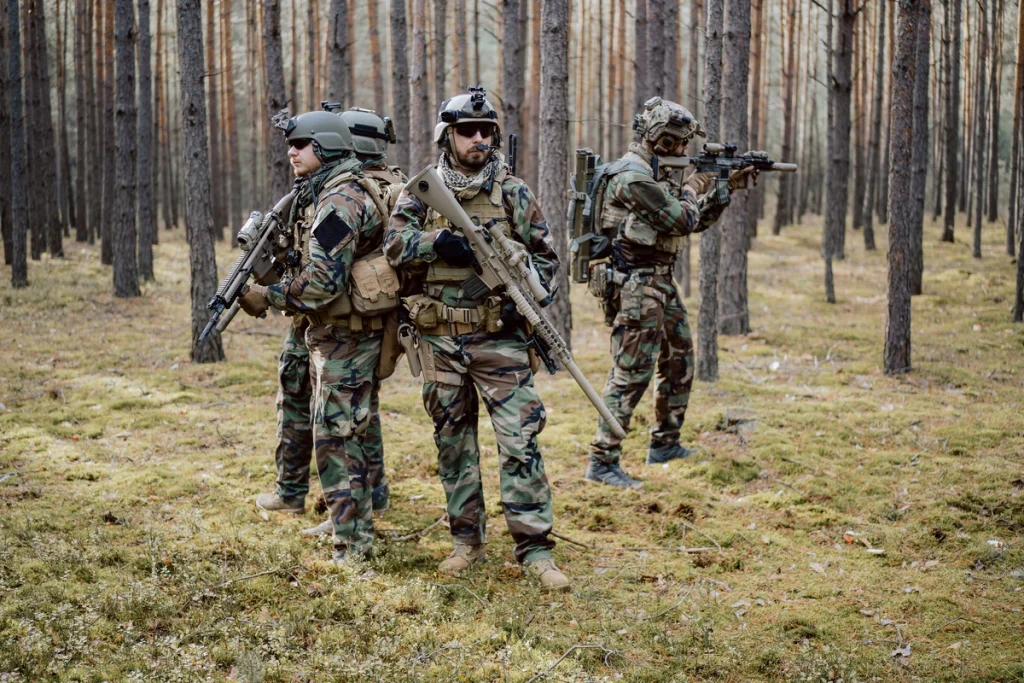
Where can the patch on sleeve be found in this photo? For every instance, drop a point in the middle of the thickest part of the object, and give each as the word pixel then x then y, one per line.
pixel 332 231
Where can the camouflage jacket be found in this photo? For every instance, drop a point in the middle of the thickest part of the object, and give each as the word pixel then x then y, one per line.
pixel 652 205
pixel 346 225
pixel 409 244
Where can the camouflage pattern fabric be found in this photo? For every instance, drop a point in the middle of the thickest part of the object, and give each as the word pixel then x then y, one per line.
pixel 497 368
pixel 346 224
pixel 660 337
pixel 342 364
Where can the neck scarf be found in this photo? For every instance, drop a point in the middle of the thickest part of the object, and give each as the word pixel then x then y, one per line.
pixel 310 186
pixel 466 187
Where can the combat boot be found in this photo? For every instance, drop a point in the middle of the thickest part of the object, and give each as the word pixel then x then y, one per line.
pixel 662 454
pixel 610 473
pixel 271 502
pixel 462 558
pixel 551 577
pixel 381 498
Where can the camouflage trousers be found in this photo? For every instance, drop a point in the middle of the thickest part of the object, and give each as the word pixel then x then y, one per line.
pixel 344 388
pixel 496 367
pixel 295 422
pixel 652 334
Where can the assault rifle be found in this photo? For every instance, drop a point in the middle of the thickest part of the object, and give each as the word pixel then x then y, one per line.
pixel 500 263
pixel 721 159
pixel 260 238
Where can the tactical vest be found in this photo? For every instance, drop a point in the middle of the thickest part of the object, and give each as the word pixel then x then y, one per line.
pixel 617 220
pixel 482 210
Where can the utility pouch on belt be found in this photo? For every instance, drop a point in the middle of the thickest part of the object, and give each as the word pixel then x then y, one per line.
pixel 631 300
pixel 598 281
pixel 422 311
pixel 492 313
pixel 391 348
pixel 374 285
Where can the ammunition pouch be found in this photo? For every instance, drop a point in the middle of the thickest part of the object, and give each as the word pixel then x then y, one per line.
pixel 434 317
pixel 374 285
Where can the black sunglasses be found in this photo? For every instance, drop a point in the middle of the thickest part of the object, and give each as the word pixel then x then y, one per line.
pixel 299 144
pixel 468 130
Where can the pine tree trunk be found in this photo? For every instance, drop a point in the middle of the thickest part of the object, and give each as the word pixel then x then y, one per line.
pixel 312 20
pixel 882 205
pixel 952 126
pixel 939 90
pixel 897 330
pixel 995 29
pixel 554 146
pixel 829 240
pixel 198 212
pixel 693 75
pixel 655 47
pixel 5 140
pixel 919 156
pixel 109 161
pixel 641 85
pixel 278 169
pixel 532 167
pixel 461 66
pixel 978 153
pixel 710 240
pixel 756 59
pixel 860 114
pixel 147 205
pixel 513 57
pixel 293 77
pixel 619 144
pixel 67 194
pixel 476 42
pixel 93 96
pixel 1012 218
pixel 380 101
pixel 234 163
pixel 420 119
pixel 400 83
pixel 45 189
pixel 672 71
pixel 783 210
pixel 599 100
pixel 213 79
pixel 873 168
pixel 838 171
pixel 126 277
pixel 19 155
pixel 965 140
pixel 35 219
pixel 440 45
pixel 338 55
pixel 81 126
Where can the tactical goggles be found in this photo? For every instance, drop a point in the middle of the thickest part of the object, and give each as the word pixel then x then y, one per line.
pixel 299 144
pixel 470 129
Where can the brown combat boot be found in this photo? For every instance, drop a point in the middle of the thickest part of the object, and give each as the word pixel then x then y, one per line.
pixel 551 578
pixel 271 502
pixel 462 558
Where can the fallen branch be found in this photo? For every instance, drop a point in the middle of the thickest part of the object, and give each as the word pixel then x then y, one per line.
pixel 950 622
pixel 797 462
pixel 289 570
pixel 422 532
pixel 607 653
pixel 669 609
pixel 7 475
pixel 693 528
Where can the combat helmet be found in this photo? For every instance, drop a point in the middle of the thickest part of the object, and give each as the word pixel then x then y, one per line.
pixel 665 124
pixel 371 134
pixel 328 132
pixel 472 106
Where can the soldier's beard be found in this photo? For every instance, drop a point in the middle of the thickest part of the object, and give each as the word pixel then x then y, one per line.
pixel 473 161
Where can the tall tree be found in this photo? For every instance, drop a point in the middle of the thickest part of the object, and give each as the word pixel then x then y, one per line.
pixel 81 127
pixel 440 26
pixel 109 161
pixel 641 85
pixel 554 144
pixel 1015 144
pixel 532 167
pixel 93 87
pixel 231 158
pixel 952 130
pixel 837 173
pixel 710 240
pixel 784 203
pixel 380 102
pixel 619 145
pixel 339 56
pixel 400 82
pixel 859 118
pixel 978 153
pixel 873 170
pixel 147 206
pixel 313 94
pixel 828 242
pixel 277 162
pixel 5 141
pixel 904 69
pixel 66 189
pixel 655 47
pixel 212 80
pixel 513 59
pixel 44 142
pixel 126 277
pixel 420 118
pixel 995 73
pixel 756 58
pixel 462 45
pixel 671 56
pixel 19 157
pixel 198 212
pixel 919 156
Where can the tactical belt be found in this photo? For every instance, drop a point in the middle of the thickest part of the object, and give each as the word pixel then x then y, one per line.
pixel 437 318
pixel 355 323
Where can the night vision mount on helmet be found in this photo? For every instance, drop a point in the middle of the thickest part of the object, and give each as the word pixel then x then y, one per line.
pixel 473 106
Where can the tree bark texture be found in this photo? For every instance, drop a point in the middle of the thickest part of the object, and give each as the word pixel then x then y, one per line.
pixel 212 80
pixel 861 31
pixel 420 119
pixel 19 159
pixel 656 47
pixel 901 134
pixel 278 169
pixel 978 153
pixel 380 102
pixel 919 156
pixel 198 212
pixel 828 241
pixel 338 87
pixel 109 161
pixel 873 169
pixel 400 82
pixel 147 205
pixel 995 70
pixel 952 127
pixel 462 45
pixel 5 141
pixel 440 45
pixel 1015 145
pixel 692 75
pixel 710 240
pixel 81 126
pixel 513 61
pixel 93 86
pixel 44 140
pixel 126 276
pixel 784 204
pixel 641 85
pixel 554 146
pixel 531 169
pixel 837 174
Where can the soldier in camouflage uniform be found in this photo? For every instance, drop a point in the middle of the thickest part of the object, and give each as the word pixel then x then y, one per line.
pixel 370 136
pixel 346 221
pixel 651 330
pixel 477 345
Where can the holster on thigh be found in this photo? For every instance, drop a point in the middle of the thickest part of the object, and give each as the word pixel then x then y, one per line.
pixel 431 373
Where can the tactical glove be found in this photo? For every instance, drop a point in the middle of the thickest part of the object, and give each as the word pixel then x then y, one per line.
pixel 699 182
pixel 453 249
pixel 254 301
pixel 738 178
pixel 510 316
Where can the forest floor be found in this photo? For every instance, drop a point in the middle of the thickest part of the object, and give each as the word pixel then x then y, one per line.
pixel 860 527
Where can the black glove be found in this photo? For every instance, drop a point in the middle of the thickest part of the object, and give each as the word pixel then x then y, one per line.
pixel 453 249
pixel 510 317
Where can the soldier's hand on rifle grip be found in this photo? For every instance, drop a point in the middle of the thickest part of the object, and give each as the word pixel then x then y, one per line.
pixel 453 249
pixel 738 178
pixel 699 182
pixel 254 301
